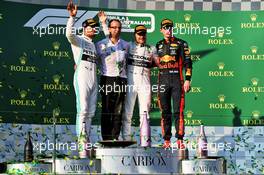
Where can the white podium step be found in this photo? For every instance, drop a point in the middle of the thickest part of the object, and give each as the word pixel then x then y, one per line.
pixel 204 166
pixel 138 160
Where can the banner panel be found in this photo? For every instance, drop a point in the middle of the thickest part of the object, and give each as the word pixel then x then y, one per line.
pixel 36 80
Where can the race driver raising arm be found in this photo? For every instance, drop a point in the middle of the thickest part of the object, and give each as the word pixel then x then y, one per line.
pixel 85 80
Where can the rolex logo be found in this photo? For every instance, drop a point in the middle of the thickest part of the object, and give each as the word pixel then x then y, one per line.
pixel 23 59
pixel 222 105
pixel 254 81
pixel 253 17
pixel 255 114
pixel 187 17
pixel 23 67
pixel 255 88
pixel 56 85
pixel 220 34
pixel 23 101
pixel 221 66
pixel 56 111
pixel 189 114
pixel 56 78
pixel 221 98
pixel 252 24
pixel 56 45
pixel 23 93
pixel 254 55
pixel 254 49
pixel 221 72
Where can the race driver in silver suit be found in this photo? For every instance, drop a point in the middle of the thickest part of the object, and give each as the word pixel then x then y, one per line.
pixel 140 60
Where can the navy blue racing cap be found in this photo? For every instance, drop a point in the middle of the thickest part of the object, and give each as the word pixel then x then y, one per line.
pixel 90 22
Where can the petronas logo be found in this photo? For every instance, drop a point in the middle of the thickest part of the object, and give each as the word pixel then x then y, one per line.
pixel 56 45
pixel 1 16
pixel 189 114
pixel 56 78
pixel 221 98
pixel 1 50
pixel 23 93
pixel 255 114
pixel 23 60
pixel 56 111
pixel 221 66
pixel 254 49
pixel 220 34
pixel 253 17
pixel 187 17
pixel 254 81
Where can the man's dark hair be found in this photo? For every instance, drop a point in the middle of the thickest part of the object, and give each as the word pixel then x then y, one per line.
pixel 117 20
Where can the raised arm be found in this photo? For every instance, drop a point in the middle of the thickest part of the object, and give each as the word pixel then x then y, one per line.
pixel 70 31
pixel 102 18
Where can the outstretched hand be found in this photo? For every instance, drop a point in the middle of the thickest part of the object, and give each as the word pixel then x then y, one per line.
pixel 72 8
pixel 102 17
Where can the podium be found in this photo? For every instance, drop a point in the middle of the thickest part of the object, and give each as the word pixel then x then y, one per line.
pixel 128 160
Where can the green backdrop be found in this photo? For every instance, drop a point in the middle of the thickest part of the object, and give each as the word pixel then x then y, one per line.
pixel 36 80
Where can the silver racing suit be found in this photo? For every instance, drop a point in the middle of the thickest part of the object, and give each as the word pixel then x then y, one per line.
pixel 85 80
pixel 139 62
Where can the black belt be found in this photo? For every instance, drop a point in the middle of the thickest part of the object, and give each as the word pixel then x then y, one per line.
pixel 89 58
pixel 164 71
pixel 139 63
